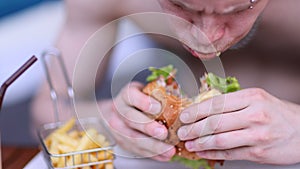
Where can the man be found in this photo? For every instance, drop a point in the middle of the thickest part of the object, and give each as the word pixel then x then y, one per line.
pixel 255 125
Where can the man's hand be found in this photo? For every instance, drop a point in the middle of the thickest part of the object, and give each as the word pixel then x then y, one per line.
pixel 133 129
pixel 249 125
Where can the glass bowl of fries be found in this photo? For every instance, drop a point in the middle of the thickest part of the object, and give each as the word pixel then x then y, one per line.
pixel 80 144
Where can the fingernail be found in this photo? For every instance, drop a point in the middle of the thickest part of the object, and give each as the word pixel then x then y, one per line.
pixel 201 154
pixel 181 133
pixel 169 154
pixel 155 107
pixel 184 117
pixel 159 133
pixel 189 145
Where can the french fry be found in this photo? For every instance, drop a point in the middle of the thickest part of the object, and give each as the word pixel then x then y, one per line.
pixel 104 155
pixel 100 139
pixel 60 162
pixel 87 139
pixel 99 166
pixel 109 166
pixel 68 126
pixel 53 150
pixel 65 148
pixel 89 158
pixel 75 134
pixel 65 139
pixel 86 167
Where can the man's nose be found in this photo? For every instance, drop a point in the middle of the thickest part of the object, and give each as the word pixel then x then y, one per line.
pixel 209 26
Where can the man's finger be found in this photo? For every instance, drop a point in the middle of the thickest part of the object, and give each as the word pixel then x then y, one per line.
pixel 241 153
pixel 222 141
pixel 216 105
pixel 139 121
pixel 215 124
pixel 133 96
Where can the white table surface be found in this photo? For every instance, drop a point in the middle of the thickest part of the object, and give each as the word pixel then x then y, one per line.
pixel 38 162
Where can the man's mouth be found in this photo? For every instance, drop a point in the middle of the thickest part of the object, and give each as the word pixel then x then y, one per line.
pixel 202 55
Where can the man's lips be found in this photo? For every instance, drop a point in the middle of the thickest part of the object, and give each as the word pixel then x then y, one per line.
pixel 201 55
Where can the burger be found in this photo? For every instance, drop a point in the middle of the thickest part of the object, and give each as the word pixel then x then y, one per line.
pixel 163 87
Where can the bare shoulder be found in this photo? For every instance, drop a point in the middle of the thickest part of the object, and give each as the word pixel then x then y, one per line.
pixel 107 10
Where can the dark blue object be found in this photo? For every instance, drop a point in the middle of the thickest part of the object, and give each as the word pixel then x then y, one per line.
pixel 10 6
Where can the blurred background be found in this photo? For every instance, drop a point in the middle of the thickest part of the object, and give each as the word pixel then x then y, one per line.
pixel 27 27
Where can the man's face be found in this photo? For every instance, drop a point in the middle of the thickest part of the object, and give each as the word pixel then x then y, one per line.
pixel 212 26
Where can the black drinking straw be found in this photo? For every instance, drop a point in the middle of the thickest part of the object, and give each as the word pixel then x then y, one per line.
pixel 14 76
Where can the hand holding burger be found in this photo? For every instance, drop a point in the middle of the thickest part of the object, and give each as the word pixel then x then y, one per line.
pixel 163 87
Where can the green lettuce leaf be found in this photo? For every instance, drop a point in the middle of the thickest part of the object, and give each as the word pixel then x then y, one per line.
pixel 156 72
pixel 224 85
pixel 193 164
